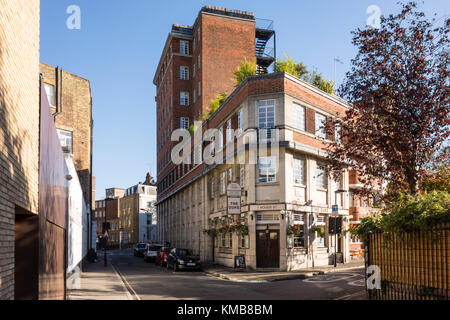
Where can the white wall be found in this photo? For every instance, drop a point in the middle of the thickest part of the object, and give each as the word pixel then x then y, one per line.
pixel 147 212
pixel 77 222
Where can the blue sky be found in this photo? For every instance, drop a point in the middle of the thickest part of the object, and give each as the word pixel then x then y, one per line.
pixel 120 42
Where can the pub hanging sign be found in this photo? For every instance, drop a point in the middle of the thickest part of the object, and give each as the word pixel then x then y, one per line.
pixel 234 198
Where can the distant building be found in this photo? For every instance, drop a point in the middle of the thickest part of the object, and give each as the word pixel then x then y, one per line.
pixel 138 213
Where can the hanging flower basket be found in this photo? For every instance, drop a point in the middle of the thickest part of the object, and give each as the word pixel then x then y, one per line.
pixel 319 229
pixel 211 232
pixel 240 229
pixel 226 229
pixel 294 230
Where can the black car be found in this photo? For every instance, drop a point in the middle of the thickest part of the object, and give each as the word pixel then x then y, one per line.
pixel 183 259
pixel 139 250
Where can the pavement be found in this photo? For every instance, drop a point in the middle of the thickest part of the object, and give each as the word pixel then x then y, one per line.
pixel 100 283
pixel 271 276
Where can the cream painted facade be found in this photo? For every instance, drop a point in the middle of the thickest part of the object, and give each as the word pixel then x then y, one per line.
pixel 266 207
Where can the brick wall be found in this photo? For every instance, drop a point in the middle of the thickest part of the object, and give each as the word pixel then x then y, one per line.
pixel 225 43
pixel 76 117
pixel 19 124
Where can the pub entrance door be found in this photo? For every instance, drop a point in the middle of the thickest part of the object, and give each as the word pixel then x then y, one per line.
pixel 268 248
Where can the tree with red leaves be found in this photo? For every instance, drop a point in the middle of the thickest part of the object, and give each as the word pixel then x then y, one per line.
pixel 398 87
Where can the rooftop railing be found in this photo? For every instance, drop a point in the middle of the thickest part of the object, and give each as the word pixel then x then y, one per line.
pixel 265 24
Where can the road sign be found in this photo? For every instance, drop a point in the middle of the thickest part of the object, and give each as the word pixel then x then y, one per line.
pixel 335 208
pixel 106 234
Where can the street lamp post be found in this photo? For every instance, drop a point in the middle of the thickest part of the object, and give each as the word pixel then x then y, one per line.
pixel 104 243
pixel 339 191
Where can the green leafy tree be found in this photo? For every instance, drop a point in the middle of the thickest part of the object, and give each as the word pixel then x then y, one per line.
pixel 320 82
pixel 287 64
pixel 407 213
pixel 217 102
pixel 213 106
pixel 246 69
pixel 299 70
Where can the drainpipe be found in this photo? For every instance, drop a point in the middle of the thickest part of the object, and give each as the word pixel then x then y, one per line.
pixel 58 88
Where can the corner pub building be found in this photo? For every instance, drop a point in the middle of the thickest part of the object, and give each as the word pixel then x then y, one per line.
pixel 280 191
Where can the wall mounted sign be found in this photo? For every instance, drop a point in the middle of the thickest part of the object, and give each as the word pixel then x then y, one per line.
pixel 234 198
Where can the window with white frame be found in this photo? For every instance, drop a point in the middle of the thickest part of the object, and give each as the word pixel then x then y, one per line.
pixel 243 240
pixel 299 239
pixel 184 47
pixel 184 123
pixel 266 118
pixel 338 133
pixel 213 145
pixel 241 119
pixel 223 240
pixel 65 138
pixel 339 195
pixel 184 98
pixel 241 176
pixel 299 117
pixel 267 169
pixel 321 176
pixel 229 131
pixel 211 188
pixel 230 175
pixel 220 138
pixel 321 121
pixel 321 222
pixel 184 73
pixel 222 183
pixel 50 91
pixel 299 171
pixel 351 197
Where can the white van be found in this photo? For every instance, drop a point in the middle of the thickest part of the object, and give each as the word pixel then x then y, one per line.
pixel 151 251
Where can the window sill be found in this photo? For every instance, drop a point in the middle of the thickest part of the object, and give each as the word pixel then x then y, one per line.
pixel 267 184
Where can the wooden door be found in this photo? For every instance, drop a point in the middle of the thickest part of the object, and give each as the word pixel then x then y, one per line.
pixel 267 249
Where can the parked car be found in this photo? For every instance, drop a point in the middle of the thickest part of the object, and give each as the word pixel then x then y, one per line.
pixel 151 251
pixel 183 259
pixel 161 258
pixel 139 249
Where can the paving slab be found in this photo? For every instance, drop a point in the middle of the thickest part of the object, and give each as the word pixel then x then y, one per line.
pixel 99 283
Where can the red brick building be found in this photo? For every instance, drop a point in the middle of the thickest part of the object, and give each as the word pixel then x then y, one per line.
pixel 197 64
pixel 287 188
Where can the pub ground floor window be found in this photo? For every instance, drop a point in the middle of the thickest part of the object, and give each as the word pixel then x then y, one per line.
pixel 243 241
pixel 299 240
pixel 321 240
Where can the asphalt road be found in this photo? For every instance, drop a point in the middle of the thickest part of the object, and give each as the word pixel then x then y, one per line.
pixel 148 282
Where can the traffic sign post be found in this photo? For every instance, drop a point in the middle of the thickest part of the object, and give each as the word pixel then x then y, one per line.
pixel 335 228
